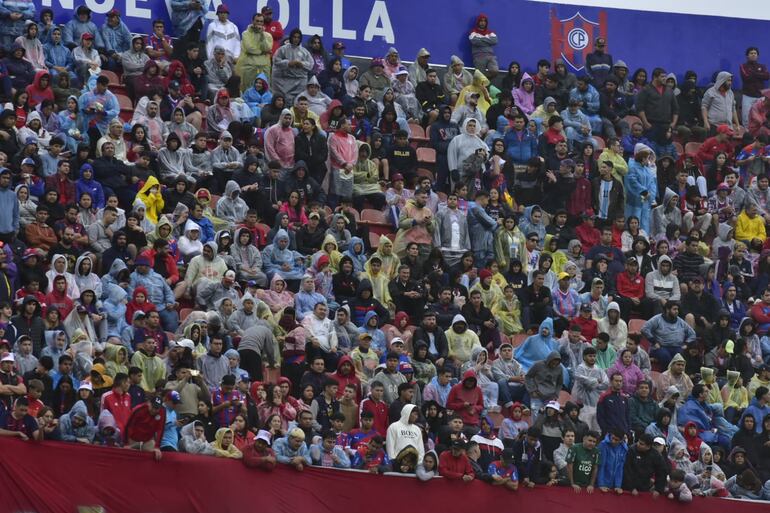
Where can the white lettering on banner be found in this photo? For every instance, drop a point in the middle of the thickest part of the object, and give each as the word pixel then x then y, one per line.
pixel 304 20
pixel 65 4
pixel 283 10
pixel 379 14
pixel 378 24
pixel 137 12
pixel 748 9
pixel 100 8
pixel 338 30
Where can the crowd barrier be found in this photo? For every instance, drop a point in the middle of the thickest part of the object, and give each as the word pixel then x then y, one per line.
pixel 51 477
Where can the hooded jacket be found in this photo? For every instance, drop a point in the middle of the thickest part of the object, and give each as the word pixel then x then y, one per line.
pixel 612 460
pixel 461 344
pixel 459 395
pixel 69 432
pixel 544 381
pixel 641 468
pixel 231 207
pixel 402 434
pixel 719 105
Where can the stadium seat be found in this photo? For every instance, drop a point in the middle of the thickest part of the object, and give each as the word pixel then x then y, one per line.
pixel 600 144
pixel 635 326
pixel 126 107
pixel 183 313
pixel 374 240
pixel 518 339
pixel 631 120
pixel 426 156
pixel 214 201
pixel 421 171
pixel 376 221
pixel 418 135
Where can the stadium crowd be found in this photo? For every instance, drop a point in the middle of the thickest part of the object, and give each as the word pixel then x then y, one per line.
pixel 236 243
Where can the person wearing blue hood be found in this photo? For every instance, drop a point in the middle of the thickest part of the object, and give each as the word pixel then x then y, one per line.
pixel 258 95
pixel 307 298
pixel 9 207
pixel 58 58
pixel 77 425
pixel 86 183
pixel 98 107
pixel 538 347
pixel 207 227
pixel 532 222
pixel 357 253
pixel 115 308
pixel 641 186
pixel 277 257
pixel 371 325
pixel 19 69
pixel 612 458
pixel 759 407
pixel 713 428
pixel 116 38
pixel 14 15
pixel 81 24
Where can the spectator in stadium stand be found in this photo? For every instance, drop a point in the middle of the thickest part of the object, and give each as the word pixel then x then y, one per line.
pixel 469 248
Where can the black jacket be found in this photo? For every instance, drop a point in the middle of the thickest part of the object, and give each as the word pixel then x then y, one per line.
pixel 439 341
pixel 313 151
pixel 641 467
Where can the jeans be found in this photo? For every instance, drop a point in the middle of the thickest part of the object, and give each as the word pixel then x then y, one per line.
pixel 664 354
pixel 169 319
pixel 512 392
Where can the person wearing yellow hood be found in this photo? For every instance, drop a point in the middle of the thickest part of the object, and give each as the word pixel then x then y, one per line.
pixel 223 445
pixel 478 86
pixel 416 224
pixel 614 153
pixel 709 380
pixel 735 397
pixel 559 258
pixel 150 195
pixel 379 280
pixel 116 357
pixel 461 341
pixel 330 249
pixel 388 259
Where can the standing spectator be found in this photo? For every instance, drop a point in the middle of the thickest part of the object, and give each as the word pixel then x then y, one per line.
pixel 613 450
pixel 612 411
pixel 599 63
pixel 483 42
pixel 257 47
pixel 291 64
pixel 754 77
pixel 544 381
pixel 718 104
pixel 273 27
pixel 144 429
pixel 657 107
pixel 187 19
pixel 644 469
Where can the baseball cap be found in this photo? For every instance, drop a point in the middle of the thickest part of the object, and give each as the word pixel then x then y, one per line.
pixel 113 12
pixel 314 215
pixel 87 35
pixel 405 367
pixel 156 402
pixel 223 8
pixel 585 307
pixel 267 10
pixel 297 433
pixel 726 130
pixel 659 440
pixel 457 442
pixel 139 315
pixel 8 357
pixel 554 405
pixel 186 342
pixel 397 340
pixel 174 84
pixel 86 386
pixel 173 396
pixel 398 177
pixel 28 161
pixel 723 187
pixel 564 276
pixel 142 260
pixel 364 336
pixel 338 45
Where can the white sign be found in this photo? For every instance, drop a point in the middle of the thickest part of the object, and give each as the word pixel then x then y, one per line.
pixel 748 9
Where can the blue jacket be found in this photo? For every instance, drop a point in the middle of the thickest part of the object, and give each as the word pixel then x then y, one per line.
pixel 15 28
pixel 207 228
pixel 481 228
pixel 638 180
pixel 116 39
pixel 613 412
pixel 58 55
pixel 611 461
pixel 91 186
pixel 115 308
pixel 758 411
pixel 9 210
pixel 254 99
pixel 74 30
pixel 694 411
pixel 183 17
pixel 284 453
pixel 304 303
pixel 70 433
pixel 159 292
pixel 111 109
pixel 520 147
pixel 590 99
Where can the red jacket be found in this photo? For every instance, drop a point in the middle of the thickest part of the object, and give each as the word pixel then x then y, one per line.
pixel 171 267
pixel 589 236
pixel 254 459
pixel 452 467
pixel 711 146
pixel 380 411
pixel 347 379
pixel 630 287
pixel 589 328
pixel 61 302
pixel 142 426
pixel 459 395
pixel 119 405
pixel 581 198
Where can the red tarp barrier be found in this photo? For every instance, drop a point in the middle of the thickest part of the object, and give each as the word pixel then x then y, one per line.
pixel 65 478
